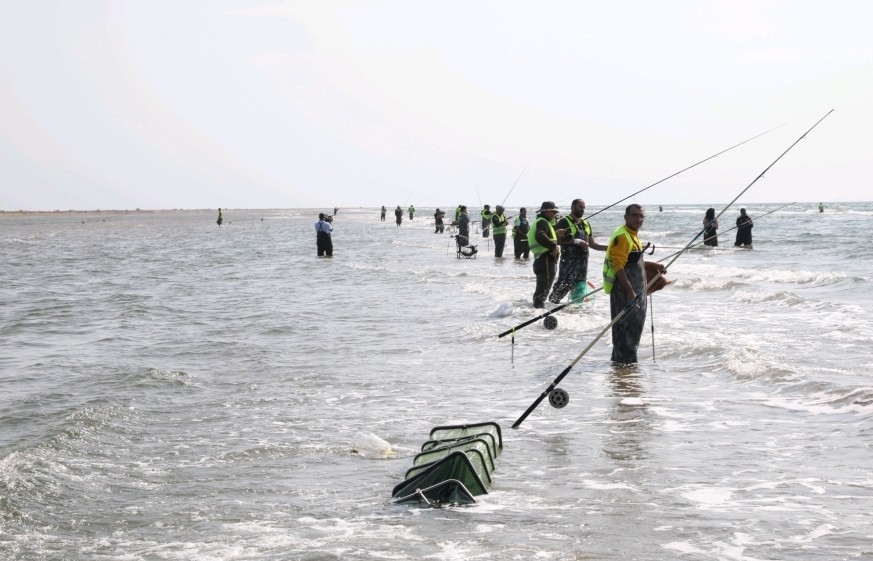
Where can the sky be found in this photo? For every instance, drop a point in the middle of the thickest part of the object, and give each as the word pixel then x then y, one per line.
pixel 158 104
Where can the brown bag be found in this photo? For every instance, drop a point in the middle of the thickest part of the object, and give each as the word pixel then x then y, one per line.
pixel 651 271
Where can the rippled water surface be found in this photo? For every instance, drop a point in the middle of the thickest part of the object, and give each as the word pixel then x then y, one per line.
pixel 176 390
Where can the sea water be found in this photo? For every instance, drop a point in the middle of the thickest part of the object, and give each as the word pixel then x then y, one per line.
pixel 172 389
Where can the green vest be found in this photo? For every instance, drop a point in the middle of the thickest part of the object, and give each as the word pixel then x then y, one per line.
pixel 608 270
pixel 574 229
pixel 501 229
pixel 532 242
pixel 486 215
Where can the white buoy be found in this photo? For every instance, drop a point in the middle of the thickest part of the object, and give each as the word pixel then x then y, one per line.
pixel 370 445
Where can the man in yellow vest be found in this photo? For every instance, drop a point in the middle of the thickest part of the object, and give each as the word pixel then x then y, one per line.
pixel 543 242
pixel 574 252
pixel 624 279
pixel 499 223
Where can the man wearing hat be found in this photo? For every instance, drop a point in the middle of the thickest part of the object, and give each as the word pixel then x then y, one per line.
pixel 543 241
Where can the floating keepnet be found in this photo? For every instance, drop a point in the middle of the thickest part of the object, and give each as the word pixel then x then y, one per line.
pixel 454 465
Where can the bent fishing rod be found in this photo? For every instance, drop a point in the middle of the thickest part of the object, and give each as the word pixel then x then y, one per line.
pixel 643 293
pixel 682 171
pixel 728 230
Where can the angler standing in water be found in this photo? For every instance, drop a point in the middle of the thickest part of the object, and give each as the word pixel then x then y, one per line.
pixel 744 230
pixel 384 210
pixel 398 215
pixel 220 217
pixel 486 220
pixel 499 223
pixel 438 221
pixel 710 228
pixel 624 279
pixel 574 251
pixel 463 237
pixel 543 241
pixel 322 236
pixel 520 228
pixel 411 211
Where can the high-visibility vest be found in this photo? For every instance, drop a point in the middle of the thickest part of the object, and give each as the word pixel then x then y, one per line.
pixel 608 269
pixel 573 229
pixel 486 215
pixel 532 242
pixel 501 229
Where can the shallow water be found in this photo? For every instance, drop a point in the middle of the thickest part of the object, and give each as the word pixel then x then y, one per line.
pixel 175 390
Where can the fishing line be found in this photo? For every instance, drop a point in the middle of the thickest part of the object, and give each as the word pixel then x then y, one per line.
pixel 651 283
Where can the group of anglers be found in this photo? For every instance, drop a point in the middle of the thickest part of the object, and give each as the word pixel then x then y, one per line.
pixel 567 240
pixel 398 214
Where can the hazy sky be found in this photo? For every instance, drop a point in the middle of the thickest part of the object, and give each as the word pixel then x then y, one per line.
pixel 182 104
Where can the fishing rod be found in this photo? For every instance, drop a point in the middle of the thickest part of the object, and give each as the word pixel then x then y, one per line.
pixel 550 312
pixel 554 324
pixel 561 307
pixel 516 183
pixel 682 171
pixel 726 231
pixel 560 398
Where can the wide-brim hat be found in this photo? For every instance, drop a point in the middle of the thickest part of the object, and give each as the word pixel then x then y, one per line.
pixel 548 205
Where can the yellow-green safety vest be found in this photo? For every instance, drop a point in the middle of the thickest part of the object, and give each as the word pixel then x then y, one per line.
pixel 574 229
pixel 608 270
pixel 497 230
pixel 532 242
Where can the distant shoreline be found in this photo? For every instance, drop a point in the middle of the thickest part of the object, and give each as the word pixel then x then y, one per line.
pixel 102 212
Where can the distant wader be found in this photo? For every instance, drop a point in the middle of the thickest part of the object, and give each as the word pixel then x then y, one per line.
pixel 323 243
pixel 627 331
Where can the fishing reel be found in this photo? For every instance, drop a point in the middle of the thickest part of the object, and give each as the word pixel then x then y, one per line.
pixel 550 322
pixel 558 398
